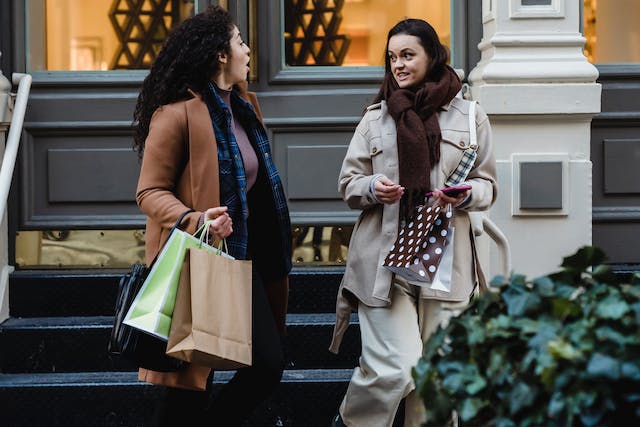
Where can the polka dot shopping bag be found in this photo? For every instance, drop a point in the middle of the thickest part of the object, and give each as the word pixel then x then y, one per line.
pixel 418 249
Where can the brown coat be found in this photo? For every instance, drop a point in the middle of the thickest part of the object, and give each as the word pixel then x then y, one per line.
pixel 180 172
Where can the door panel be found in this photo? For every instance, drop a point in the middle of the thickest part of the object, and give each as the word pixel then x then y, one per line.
pixel 615 152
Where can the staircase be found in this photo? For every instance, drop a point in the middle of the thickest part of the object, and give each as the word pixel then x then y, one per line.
pixel 55 369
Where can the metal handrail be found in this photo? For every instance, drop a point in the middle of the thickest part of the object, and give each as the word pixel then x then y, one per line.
pixel 13 139
pixel 480 223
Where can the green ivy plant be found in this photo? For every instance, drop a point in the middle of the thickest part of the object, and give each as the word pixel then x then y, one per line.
pixel 560 351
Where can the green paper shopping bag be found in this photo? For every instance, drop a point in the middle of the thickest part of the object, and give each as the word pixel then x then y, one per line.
pixel 152 308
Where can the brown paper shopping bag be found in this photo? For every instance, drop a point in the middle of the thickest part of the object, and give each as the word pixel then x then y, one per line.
pixel 211 323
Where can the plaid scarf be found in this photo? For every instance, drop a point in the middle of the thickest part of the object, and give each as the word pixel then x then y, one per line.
pixel 233 180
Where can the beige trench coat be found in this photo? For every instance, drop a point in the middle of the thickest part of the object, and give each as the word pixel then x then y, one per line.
pixel 373 152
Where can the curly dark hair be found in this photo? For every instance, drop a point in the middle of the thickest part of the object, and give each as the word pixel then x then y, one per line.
pixel 188 60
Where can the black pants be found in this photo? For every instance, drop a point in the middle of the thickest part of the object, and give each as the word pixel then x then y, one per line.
pixel 247 389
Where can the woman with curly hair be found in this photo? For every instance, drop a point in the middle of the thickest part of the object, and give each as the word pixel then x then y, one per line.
pixel 204 148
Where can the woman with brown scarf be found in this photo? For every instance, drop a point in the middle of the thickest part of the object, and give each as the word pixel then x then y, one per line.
pixel 408 143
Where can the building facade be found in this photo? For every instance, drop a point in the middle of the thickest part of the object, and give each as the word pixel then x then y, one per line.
pixel 564 118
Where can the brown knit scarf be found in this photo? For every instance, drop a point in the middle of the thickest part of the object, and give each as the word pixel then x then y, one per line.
pixel 418 140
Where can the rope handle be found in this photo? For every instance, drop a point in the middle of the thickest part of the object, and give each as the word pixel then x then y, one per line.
pixel 202 235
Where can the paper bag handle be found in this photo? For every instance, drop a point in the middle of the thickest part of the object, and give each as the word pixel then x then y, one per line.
pixel 203 235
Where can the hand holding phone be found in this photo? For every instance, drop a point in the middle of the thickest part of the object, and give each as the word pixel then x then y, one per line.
pixel 452 191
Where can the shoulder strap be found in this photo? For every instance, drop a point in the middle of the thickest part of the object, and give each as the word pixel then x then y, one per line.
pixel 473 138
pixel 469 156
pixel 481 281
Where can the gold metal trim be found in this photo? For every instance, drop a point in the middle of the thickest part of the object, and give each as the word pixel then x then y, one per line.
pixel 68 249
pixel 253 40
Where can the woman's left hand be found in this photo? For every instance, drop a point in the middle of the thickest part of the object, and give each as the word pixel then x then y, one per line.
pixel 442 199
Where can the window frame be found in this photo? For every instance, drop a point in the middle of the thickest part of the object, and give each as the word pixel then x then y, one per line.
pixel 280 73
pixel 25 10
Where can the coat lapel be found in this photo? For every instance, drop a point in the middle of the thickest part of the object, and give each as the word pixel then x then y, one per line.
pixel 203 156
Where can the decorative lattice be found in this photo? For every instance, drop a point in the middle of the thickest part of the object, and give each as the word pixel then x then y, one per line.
pixel 141 27
pixel 312 32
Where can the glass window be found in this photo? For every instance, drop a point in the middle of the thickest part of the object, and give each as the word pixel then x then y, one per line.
pixel 100 34
pixel 612 31
pixel 352 32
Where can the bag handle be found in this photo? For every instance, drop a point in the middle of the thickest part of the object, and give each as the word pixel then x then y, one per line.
pixel 176 225
pixel 202 235
pixel 473 137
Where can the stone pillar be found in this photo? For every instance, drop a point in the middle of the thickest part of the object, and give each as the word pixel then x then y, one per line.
pixel 5 119
pixel 540 93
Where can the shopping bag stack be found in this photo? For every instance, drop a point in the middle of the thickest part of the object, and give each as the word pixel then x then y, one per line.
pixel 193 305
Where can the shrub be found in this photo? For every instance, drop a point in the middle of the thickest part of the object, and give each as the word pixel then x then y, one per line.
pixel 561 350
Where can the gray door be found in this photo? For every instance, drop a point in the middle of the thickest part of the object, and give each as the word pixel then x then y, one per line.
pixel 615 152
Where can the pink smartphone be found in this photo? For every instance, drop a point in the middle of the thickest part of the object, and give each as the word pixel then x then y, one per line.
pixel 452 191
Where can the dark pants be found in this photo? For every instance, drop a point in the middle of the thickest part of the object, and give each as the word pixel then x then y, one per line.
pixel 247 389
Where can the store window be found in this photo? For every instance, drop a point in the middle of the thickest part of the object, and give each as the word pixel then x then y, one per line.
pixel 612 31
pixel 80 35
pixel 352 32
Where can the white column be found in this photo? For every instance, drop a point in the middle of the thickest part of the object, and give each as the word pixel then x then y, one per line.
pixel 5 269
pixel 540 93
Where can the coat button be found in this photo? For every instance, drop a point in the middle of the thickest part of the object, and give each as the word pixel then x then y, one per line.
pixel 375 150
pixel 461 144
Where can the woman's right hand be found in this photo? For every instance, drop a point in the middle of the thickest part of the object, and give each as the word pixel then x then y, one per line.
pixel 221 225
pixel 386 191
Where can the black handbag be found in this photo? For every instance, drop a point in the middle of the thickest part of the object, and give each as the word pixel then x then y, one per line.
pixel 144 350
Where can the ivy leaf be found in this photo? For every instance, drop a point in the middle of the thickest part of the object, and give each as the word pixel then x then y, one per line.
pixel 519 302
pixel 521 396
pixel 499 282
pixel 471 407
pixel 544 285
pixel 475 382
pixel 556 405
pixel 546 332
pixel 636 310
pixel 563 349
pixel 503 422
pixel 603 366
pixel 606 333
pixel 603 273
pixel 564 307
pixel 583 259
pixel 631 370
pixel 612 307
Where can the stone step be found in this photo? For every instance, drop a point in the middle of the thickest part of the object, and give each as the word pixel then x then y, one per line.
pixel 49 293
pixel 304 398
pixel 79 344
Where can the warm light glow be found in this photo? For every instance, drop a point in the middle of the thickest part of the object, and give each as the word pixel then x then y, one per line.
pixel 612 31
pixel 78 35
pixel 365 23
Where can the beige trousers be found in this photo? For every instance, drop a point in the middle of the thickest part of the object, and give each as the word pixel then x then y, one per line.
pixel 392 340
